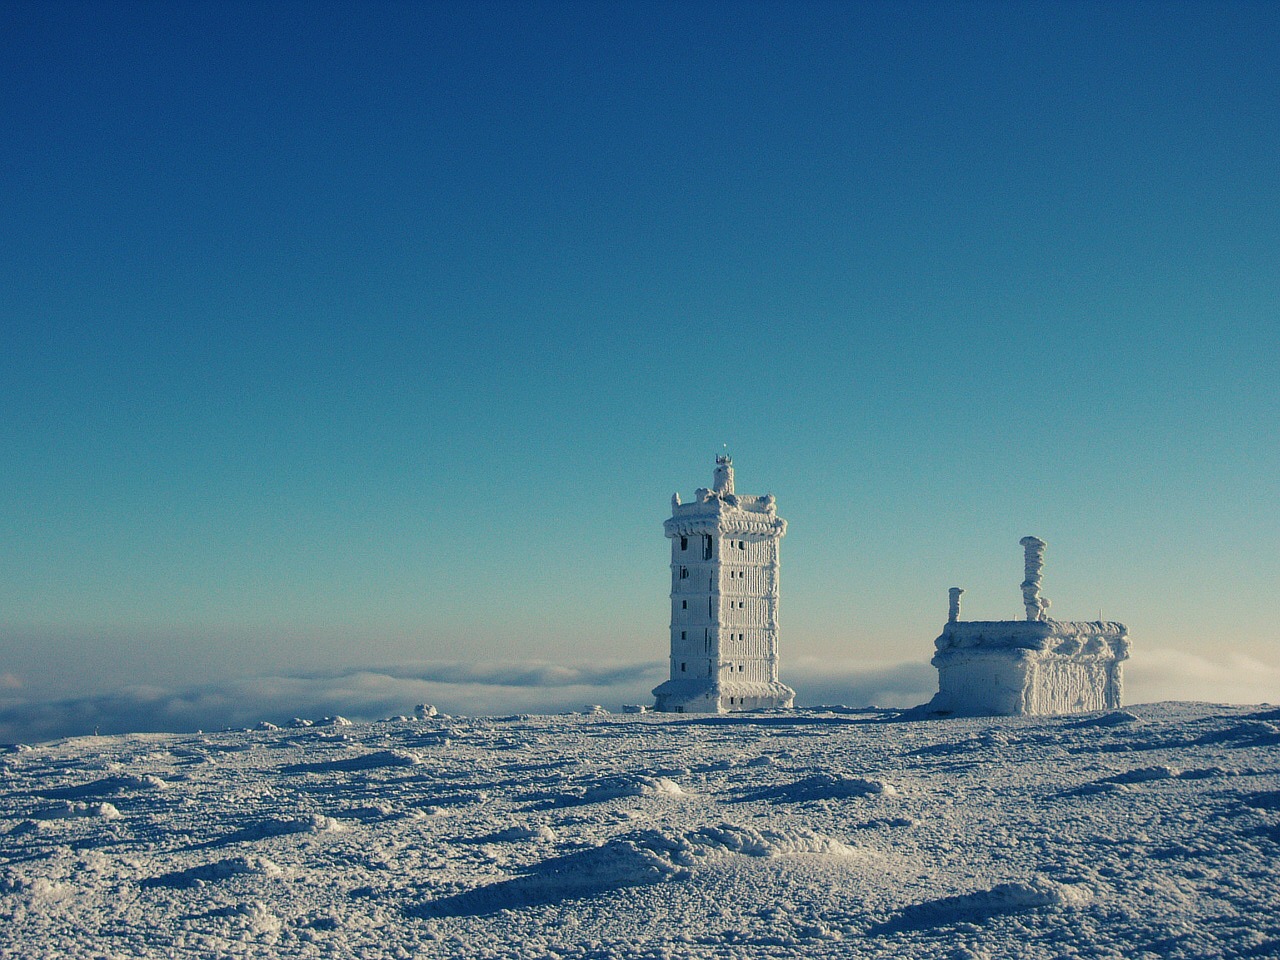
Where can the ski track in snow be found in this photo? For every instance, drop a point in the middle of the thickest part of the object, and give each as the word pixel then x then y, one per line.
pixel 1149 832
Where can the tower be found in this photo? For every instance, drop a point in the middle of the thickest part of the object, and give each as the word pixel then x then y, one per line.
pixel 724 601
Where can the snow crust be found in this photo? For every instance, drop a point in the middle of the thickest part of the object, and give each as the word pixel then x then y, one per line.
pixel 1152 831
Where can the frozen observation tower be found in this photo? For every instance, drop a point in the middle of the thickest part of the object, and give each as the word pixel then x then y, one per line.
pixel 724 602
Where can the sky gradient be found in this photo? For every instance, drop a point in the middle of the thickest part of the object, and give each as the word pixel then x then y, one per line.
pixel 343 336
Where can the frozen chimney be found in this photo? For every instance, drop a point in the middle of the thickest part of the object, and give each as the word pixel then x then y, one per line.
pixel 1033 556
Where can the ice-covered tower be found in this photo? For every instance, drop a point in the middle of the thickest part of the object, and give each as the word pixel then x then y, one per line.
pixel 724 602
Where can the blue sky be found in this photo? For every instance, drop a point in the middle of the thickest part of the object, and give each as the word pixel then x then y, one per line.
pixel 339 335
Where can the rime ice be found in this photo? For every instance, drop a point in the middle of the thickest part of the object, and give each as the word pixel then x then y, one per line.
pixel 1032 666
pixel 724 601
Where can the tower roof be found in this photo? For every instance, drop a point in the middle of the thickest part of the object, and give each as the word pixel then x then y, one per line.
pixel 719 510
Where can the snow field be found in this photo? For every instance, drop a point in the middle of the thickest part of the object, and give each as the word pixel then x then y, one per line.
pixel 819 833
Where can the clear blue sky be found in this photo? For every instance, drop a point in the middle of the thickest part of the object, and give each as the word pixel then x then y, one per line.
pixel 345 334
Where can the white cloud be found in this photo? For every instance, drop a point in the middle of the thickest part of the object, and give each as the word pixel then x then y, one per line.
pixel 479 689
pixel 1167 674
pixel 856 683
pixel 459 688
pixel 368 694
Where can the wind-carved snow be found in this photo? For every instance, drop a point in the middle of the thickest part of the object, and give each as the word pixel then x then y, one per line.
pixel 638 786
pixel 816 834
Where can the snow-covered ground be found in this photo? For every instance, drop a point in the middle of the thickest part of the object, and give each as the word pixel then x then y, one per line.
pixel 1150 832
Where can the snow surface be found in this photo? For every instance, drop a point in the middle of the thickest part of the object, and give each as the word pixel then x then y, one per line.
pixel 1153 831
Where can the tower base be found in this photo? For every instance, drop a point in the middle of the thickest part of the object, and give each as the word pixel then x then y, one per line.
pixel 732 696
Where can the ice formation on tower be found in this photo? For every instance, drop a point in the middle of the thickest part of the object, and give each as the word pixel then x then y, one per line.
pixel 1033 563
pixel 1032 666
pixel 724 601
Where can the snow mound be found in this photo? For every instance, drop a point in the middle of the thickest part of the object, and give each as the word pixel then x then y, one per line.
pixel 823 786
pixel 254 919
pixel 74 808
pixel 539 831
pixel 631 786
pixel 127 784
pixel 1003 898
pixel 635 860
pixel 207 873
pixel 1122 781
pixel 318 823
pixel 1249 733
pixel 37 890
pixel 108 787
pixel 770 843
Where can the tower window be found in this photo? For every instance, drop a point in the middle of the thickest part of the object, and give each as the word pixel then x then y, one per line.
pixel 684 635
pixel 684 573
pixel 742 545
pixel 706 547
pixel 684 604
pixel 682 666
pixel 739 668
pixel 684 543
pixel 739 636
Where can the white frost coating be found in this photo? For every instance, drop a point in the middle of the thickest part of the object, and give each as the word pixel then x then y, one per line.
pixel 953 612
pixel 1033 666
pixel 724 602
pixel 1033 552
pixel 722 479
pixel 1012 667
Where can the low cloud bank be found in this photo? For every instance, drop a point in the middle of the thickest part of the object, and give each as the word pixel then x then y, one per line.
pixel 479 689
pixel 852 683
pixel 1164 674
pixel 474 689
pixel 359 694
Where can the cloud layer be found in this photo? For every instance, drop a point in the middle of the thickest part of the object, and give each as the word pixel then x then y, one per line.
pixel 1164 674
pixel 540 687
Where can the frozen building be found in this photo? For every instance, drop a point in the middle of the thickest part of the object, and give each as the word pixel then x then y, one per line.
pixel 1031 666
pixel 724 602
